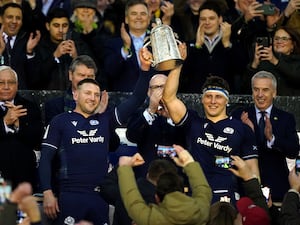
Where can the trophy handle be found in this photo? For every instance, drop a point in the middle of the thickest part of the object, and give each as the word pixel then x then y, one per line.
pixel 152 61
pixel 146 44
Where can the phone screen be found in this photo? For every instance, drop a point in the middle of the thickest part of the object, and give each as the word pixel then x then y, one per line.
pixel 297 165
pixel 264 41
pixel 5 190
pixel 165 151
pixel 223 162
pixel 266 192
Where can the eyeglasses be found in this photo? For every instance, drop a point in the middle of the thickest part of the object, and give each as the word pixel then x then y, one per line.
pixel 157 86
pixel 284 39
pixel 8 83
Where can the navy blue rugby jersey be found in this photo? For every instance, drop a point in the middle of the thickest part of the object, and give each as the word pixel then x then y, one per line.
pixel 82 144
pixel 207 140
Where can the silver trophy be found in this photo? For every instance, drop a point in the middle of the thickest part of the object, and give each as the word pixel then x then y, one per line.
pixel 166 55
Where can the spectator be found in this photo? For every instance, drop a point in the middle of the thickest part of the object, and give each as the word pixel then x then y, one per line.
pixel 275 132
pixel 212 53
pixel 248 22
pixel 93 31
pixel 20 199
pixel 162 10
pixel 291 203
pixel 47 6
pixel 56 51
pixel 82 134
pixel 121 62
pixel 290 16
pixel 111 13
pixel 146 185
pixel 251 214
pixel 188 10
pixel 282 59
pixel 20 131
pixel 188 13
pixel 215 135
pixel 32 17
pixel 17 49
pixel 152 127
pixel 172 205
pixel 81 67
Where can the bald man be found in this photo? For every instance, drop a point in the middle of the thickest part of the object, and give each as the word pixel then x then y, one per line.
pixel 152 129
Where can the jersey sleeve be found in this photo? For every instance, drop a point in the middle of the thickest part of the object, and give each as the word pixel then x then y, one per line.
pixel 249 148
pixel 50 145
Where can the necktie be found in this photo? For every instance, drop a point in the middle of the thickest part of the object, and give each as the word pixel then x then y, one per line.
pixel 8 39
pixel 3 108
pixel 261 125
pixel 8 49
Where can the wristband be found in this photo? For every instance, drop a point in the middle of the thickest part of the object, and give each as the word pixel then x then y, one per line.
pixel 128 50
pixel 197 46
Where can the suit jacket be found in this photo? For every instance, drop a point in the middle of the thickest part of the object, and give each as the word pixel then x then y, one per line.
pixel 148 137
pixel 290 209
pixel 121 74
pixel 24 67
pixel 65 4
pixel 272 161
pixel 17 158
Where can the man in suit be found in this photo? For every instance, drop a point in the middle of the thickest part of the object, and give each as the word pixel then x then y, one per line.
pixel 81 67
pixel 17 48
pixel 121 63
pixel 20 131
pixel 152 128
pixel 276 140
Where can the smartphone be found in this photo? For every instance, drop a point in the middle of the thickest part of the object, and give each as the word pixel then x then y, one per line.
pixel 68 35
pixel 5 190
pixel 223 162
pixel 266 192
pixel 297 165
pixel 263 41
pixel 269 9
pixel 165 151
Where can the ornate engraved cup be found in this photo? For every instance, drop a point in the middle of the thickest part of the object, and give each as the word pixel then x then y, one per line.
pixel 166 55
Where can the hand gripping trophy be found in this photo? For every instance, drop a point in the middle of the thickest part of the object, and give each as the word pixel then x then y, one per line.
pixel 166 55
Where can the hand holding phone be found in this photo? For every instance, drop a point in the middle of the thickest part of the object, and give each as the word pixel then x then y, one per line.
pixel 263 41
pixel 223 162
pixel 268 9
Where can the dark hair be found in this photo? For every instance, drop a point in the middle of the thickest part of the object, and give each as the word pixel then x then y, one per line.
pixel 212 5
pixel 167 183
pixel 131 3
pixel 294 35
pixel 160 166
pixel 8 5
pixel 57 13
pixel 87 81
pixel 222 213
pixel 216 81
pixel 83 60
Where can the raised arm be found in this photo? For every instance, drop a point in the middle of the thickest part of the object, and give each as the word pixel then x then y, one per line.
pixel 175 106
pixel 125 109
